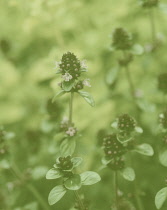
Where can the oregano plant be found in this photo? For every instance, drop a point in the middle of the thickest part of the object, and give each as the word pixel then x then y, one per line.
pixel 71 69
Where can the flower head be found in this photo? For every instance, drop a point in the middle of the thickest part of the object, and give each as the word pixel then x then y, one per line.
pixel 71 131
pixel 86 82
pixel 67 77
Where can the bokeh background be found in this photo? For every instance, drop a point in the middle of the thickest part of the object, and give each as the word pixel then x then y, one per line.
pixel 34 34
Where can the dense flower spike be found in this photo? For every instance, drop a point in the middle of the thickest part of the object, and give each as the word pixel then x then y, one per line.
pixel 162 82
pixel 150 3
pixel 126 123
pixel 116 164
pixel 163 119
pixel 122 40
pixel 70 66
pixel 112 147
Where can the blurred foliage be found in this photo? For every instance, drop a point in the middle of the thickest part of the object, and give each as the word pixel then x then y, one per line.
pixel 34 34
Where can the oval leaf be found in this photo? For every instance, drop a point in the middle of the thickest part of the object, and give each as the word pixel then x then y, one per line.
pixel 76 161
pixel 145 149
pixel 67 85
pixel 53 174
pixel 128 174
pixel 161 197
pixel 90 177
pixel 73 183
pixel 163 158
pixel 137 49
pixel 112 75
pixel 88 98
pixel 56 194
pixel 67 147
pixel 60 93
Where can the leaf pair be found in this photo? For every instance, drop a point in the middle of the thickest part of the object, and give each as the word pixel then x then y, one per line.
pixel 73 183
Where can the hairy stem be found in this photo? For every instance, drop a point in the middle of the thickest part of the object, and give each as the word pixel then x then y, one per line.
pixel 116 189
pixel 71 108
pixel 81 205
pixel 30 187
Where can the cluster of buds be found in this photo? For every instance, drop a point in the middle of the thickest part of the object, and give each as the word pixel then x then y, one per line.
pixel 150 3
pixel 121 39
pixel 126 124
pixel 64 163
pixel 70 130
pixel 3 146
pixel 116 164
pixel 162 82
pixel 163 119
pixel 112 147
pixel 71 68
pixel 114 150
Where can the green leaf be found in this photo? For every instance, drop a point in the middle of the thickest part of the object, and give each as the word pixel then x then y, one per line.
pixel 53 174
pixel 112 75
pixel 56 194
pixel 88 98
pixel 161 197
pixel 90 177
pixel 67 147
pixel 76 161
pixel 73 183
pixel 145 149
pixel 138 130
pixel 60 93
pixel 128 174
pixel 123 139
pixel 105 160
pixel 163 158
pixel 137 49
pixel 67 85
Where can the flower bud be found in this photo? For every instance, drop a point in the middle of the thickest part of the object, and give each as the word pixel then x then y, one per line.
pixel 122 40
pixel 112 147
pixel 126 124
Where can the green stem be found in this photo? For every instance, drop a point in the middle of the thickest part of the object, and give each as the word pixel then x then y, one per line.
pixel 116 189
pixel 79 200
pixel 30 187
pixel 129 79
pixel 71 108
pixel 152 24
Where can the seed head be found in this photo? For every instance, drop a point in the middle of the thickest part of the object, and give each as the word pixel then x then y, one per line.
pixel 64 163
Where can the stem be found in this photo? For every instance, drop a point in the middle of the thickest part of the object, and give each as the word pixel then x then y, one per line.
pixel 116 189
pixel 30 187
pixel 71 108
pixel 128 75
pixel 79 200
pixel 152 23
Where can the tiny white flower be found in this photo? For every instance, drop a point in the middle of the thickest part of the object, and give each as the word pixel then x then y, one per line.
pixel 83 64
pixel 67 77
pixel 86 82
pixel 71 131
pixel 57 64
